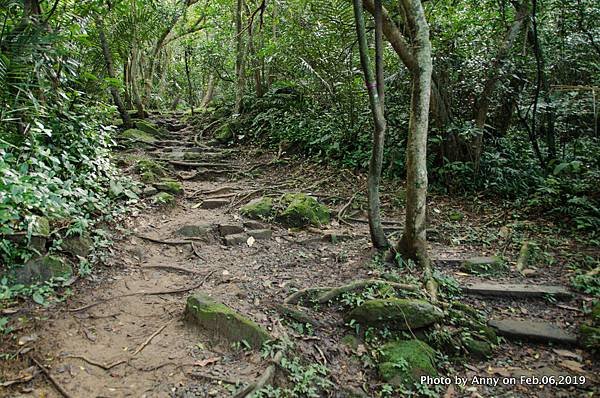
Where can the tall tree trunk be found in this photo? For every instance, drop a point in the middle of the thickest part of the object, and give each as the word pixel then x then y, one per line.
pixel 239 58
pixel 413 244
pixel 210 90
pixel 377 235
pixel 110 70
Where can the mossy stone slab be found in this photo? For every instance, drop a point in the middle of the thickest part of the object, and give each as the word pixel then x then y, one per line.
pixel 302 210
pixel 484 265
pixel 223 322
pixel 138 136
pixel 169 185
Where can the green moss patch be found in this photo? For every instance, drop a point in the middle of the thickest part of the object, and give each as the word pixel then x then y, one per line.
pixel 401 314
pixel 589 337
pixel 258 209
pixel 163 198
pixel 224 133
pixel 149 127
pixel 301 210
pixel 404 362
pixel 223 322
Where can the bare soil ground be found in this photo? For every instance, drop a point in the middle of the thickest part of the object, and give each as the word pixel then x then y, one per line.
pixel 134 342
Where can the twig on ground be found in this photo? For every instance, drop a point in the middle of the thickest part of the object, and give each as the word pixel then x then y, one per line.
pixel 196 251
pixel 149 339
pixel 267 376
pixel 51 378
pixel 98 364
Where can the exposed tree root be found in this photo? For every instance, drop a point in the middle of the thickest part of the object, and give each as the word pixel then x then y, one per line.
pixel 164 242
pixel 149 339
pixel 361 284
pixel 296 297
pixel 196 164
pixel 265 379
pixel 297 314
pixel 51 378
pixel 172 268
pixel 98 364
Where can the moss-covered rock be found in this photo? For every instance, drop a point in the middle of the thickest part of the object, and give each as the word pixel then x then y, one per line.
pixel 40 231
pixel 149 127
pixel 351 341
pixel 401 314
pixel 589 336
pixel 169 185
pixel 195 230
pixel 258 209
pixel 477 348
pixel 404 362
pixel 77 245
pixel 42 269
pixel 484 265
pixel 150 166
pixel 302 210
pixel 224 133
pixel 223 322
pixel 164 198
pixel 41 227
pixel 138 136
pixel 148 177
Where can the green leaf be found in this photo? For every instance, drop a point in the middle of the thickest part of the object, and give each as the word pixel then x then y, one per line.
pixel 38 298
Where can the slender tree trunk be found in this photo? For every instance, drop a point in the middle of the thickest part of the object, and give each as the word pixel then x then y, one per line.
pixel 493 76
pixel 413 244
pixel 210 90
pixel 186 56
pixel 134 71
pixel 239 60
pixel 111 73
pixel 377 235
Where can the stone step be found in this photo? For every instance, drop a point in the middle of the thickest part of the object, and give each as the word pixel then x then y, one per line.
pixel 517 290
pixel 543 332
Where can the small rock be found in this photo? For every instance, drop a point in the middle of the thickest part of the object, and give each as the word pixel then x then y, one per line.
pixel 477 348
pixel 164 198
pixel 169 185
pixel 302 210
pixel 236 239
pixel 149 191
pixel 214 203
pixel 230 229
pixel 261 233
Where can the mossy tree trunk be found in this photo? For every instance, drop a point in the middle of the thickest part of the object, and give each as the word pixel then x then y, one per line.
pixel 413 244
pixel 375 100
pixel 239 58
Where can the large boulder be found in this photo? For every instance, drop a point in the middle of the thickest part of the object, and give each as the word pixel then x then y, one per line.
pixel 42 269
pixel 223 322
pixel 401 314
pixel 260 209
pixel 402 363
pixel 302 210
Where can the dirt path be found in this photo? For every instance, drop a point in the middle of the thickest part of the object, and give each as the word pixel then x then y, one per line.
pixel 123 334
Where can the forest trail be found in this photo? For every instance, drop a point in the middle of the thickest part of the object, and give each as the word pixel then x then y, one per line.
pixel 123 333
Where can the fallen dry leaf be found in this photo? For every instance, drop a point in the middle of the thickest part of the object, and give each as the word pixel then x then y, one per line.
pixel 28 339
pixel 499 371
pixel 250 241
